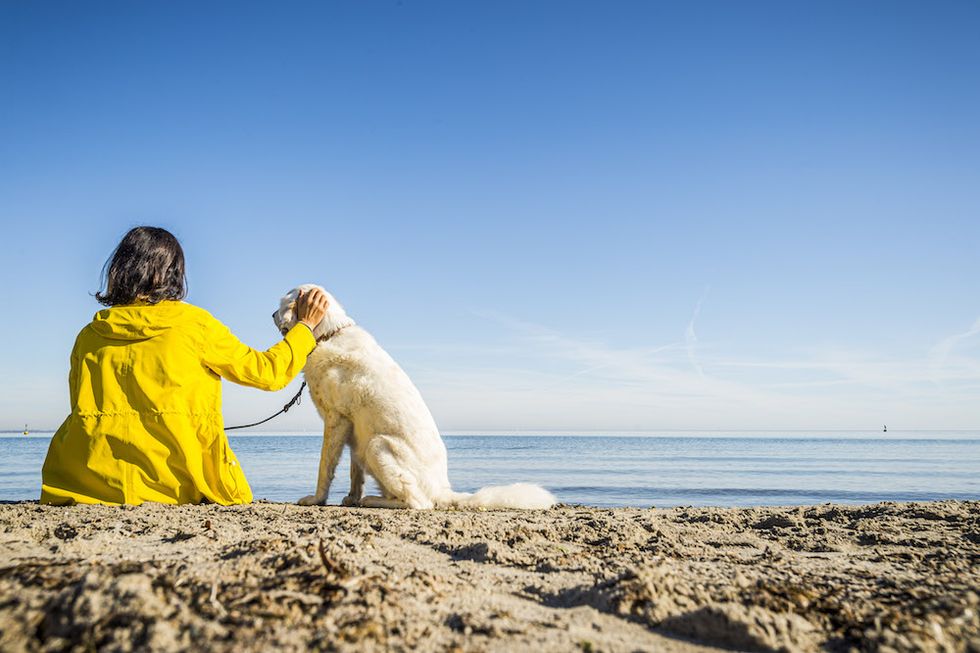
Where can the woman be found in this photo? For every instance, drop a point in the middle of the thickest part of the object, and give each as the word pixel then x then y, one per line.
pixel 145 386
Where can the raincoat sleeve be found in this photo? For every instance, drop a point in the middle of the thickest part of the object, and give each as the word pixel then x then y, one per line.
pixel 73 376
pixel 272 369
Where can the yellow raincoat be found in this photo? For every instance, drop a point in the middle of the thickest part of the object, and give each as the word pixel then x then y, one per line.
pixel 145 423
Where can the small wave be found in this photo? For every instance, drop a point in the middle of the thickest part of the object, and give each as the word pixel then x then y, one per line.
pixel 745 496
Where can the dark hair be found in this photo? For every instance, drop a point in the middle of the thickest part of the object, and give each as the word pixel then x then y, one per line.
pixel 146 266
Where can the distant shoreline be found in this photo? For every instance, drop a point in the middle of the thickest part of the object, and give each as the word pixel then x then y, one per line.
pixel 707 434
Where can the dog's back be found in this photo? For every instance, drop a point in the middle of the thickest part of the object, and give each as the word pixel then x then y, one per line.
pixel 353 375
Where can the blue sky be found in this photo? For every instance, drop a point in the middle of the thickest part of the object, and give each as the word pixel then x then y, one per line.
pixel 557 216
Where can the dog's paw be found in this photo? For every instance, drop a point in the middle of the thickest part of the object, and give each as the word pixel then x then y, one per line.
pixel 350 501
pixel 311 500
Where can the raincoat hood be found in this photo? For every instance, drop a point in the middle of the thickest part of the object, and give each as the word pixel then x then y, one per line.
pixel 137 321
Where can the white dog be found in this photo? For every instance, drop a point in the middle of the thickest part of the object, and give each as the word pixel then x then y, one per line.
pixel 368 402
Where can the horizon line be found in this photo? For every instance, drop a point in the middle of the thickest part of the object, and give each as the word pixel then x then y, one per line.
pixel 572 433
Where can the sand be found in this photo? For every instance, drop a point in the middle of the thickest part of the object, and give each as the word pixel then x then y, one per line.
pixel 268 576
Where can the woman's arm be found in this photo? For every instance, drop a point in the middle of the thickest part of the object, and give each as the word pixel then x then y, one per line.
pixel 274 368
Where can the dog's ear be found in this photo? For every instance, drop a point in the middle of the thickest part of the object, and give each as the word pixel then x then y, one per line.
pixel 289 312
pixel 286 310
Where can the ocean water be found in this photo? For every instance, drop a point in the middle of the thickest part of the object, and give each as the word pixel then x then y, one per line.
pixel 726 469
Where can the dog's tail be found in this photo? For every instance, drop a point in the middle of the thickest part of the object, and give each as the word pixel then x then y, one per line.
pixel 524 496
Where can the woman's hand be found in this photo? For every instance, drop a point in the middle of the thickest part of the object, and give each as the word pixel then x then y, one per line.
pixel 311 306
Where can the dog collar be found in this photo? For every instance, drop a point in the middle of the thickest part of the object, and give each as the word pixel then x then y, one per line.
pixel 332 333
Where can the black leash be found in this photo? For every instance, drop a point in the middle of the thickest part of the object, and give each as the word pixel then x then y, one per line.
pixel 295 400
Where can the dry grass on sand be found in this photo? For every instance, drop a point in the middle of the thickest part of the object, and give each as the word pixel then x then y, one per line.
pixel 280 577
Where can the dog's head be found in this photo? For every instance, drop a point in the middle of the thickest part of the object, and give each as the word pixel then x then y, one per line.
pixel 285 318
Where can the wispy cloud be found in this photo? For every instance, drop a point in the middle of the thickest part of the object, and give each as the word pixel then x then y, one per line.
pixel 545 378
pixel 944 348
pixel 691 336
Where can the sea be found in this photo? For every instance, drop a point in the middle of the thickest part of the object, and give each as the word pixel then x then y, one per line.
pixel 649 470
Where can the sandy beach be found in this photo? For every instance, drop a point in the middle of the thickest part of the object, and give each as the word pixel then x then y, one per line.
pixel 274 576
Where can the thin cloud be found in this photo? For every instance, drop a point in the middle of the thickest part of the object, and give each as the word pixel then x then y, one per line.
pixel 528 384
pixel 941 352
pixel 691 337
